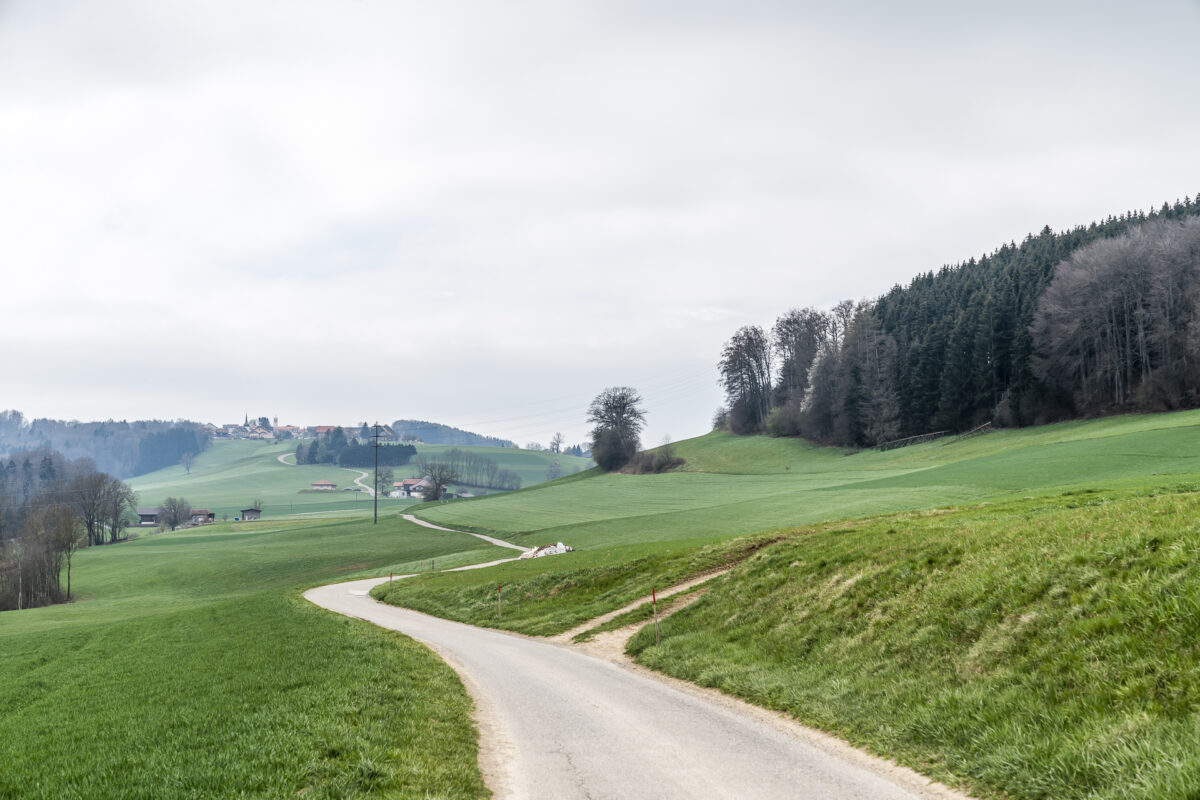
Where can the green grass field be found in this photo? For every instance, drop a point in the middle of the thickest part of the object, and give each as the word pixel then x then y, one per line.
pixel 1015 613
pixel 742 485
pixel 189 666
pixel 231 474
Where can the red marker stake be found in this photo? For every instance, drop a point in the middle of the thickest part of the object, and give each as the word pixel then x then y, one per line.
pixel 499 608
pixel 654 598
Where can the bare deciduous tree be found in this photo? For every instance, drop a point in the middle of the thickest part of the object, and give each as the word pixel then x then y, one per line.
pixel 746 377
pixel 1116 327
pixel 439 475
pixel 617 418
pixel 174 512
pixel 59 525
pixel 796 339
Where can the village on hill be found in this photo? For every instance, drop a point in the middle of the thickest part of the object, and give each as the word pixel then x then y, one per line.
pixel 262 428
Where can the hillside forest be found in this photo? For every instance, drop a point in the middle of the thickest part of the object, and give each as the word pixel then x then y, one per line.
pixel 120 448
pixel 335 447
pixel 1095 320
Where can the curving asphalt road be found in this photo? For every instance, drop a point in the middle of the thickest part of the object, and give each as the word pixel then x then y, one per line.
pixel 556 723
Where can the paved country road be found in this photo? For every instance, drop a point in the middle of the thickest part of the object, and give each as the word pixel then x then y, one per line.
pixel 557 723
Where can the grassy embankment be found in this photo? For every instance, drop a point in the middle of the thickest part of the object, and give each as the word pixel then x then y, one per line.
pixel 1040 644
pixel 189 666
pixel 631 531
pixel 233 473
pixel 1045 648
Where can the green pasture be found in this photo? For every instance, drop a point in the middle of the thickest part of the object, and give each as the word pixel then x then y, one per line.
pixel 1016 613
pixel 189 666
pixel 549 595
pixel 531 465
pixel 231 474
pixel 732 486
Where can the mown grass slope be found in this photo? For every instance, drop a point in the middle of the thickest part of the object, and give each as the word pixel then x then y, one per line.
pixel 531 465
pixel 743 485
pixel 1036 649
pixel 190 667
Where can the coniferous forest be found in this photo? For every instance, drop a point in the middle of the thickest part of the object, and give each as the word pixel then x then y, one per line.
pixel 1100 319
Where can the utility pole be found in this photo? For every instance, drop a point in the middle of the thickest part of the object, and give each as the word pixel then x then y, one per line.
pixel 376 494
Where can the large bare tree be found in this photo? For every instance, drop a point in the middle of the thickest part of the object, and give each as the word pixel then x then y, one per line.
pixel 796 339
pixel 1116 328
pixel 174 512
pixel 438 475
pixel 746 377
pixel 617 418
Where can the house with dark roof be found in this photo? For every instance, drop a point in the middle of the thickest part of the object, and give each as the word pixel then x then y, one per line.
pixel 249 514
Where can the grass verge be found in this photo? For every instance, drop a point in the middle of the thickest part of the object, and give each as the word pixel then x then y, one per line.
pixel 1034 649
pixel 642 614
pixel 545 596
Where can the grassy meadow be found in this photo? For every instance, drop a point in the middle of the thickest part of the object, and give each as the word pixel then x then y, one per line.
pixel 744 485
pixel 231 474
pixel 1015 613
pixel 189 666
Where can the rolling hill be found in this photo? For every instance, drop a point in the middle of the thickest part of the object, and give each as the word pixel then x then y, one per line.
pixel 1013 613
pixel 231 474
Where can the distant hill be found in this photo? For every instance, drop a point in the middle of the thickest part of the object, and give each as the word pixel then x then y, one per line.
pixel 434 433
pixel 119 448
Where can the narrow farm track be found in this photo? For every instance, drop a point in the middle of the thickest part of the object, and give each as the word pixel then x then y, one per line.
pixel 358 481
pixel 558 723
pixel 497 542
pixel 663 594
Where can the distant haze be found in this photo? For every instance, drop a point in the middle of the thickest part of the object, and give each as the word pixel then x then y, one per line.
pixel 482 214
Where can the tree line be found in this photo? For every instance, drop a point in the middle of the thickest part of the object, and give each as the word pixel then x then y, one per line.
pixel 1091 320
pixel 49 507
pixel 334 447
pixel 119 448
pixel 470 469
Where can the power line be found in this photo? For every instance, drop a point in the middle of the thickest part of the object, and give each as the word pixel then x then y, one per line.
pixel 376 479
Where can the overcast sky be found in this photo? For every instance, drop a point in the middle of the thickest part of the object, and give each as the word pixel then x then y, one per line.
pixel 484 213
